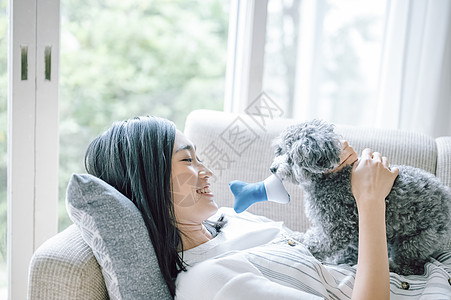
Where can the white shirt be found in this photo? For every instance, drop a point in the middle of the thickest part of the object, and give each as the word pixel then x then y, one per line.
pixel 256 258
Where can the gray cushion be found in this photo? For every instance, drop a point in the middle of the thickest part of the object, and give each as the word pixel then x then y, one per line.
pixel 113 227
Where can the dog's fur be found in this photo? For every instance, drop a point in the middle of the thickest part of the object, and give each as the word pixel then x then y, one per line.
pixel 417 208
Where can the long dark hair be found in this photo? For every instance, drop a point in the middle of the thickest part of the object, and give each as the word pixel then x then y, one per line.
pixel 135 156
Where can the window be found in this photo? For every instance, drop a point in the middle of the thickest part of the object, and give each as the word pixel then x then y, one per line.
pixel 121 59
pixel 313 58
pixel 322 58
pixel 117 60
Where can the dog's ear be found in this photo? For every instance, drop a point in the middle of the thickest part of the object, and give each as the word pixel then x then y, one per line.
pixel 276 145
pixel 316 150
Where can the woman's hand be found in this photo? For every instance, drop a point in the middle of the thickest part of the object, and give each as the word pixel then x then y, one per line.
pixel 348 155
pixel 372 179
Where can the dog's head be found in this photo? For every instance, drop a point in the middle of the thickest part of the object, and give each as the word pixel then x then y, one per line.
pixel 305 151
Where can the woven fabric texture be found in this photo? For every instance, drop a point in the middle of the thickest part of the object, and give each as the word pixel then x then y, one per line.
pixel 444 159
pixel 64 267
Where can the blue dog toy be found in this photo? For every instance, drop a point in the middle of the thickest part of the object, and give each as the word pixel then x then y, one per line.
pixel 246 194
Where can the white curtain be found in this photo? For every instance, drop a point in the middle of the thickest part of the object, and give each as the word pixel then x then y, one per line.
pixel 415 78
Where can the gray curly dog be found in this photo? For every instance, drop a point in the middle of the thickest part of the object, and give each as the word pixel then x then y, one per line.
pixel 417 208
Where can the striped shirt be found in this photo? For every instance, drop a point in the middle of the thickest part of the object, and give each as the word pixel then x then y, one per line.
pixel 256 258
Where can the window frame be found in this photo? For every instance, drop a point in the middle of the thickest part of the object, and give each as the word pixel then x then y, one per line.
pixel 32 142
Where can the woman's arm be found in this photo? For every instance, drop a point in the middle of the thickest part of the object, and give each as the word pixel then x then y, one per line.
pixel 371 182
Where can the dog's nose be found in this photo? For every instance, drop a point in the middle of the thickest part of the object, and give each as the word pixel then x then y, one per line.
pixel 273 169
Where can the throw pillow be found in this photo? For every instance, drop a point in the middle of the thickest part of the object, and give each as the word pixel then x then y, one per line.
pixel 113 227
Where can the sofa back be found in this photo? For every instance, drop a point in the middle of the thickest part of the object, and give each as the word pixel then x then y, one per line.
pixel 238 147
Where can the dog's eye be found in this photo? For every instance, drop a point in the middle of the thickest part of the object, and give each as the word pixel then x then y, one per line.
pixel 289 161
pixel 278 151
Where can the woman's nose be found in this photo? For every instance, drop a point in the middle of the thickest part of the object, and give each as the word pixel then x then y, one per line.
pixel 205 172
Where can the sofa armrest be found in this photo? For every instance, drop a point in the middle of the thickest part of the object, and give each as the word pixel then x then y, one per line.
pixel 64 267
pixel 443 170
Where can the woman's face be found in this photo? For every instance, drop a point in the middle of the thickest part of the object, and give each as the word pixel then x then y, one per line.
pixel 193 200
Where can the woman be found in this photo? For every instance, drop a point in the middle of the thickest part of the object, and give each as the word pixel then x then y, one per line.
pixel 156 166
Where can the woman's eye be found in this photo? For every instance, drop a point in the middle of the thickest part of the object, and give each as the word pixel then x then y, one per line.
pixel 187 159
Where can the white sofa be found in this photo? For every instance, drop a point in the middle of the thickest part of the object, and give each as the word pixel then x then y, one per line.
pixel 234 147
